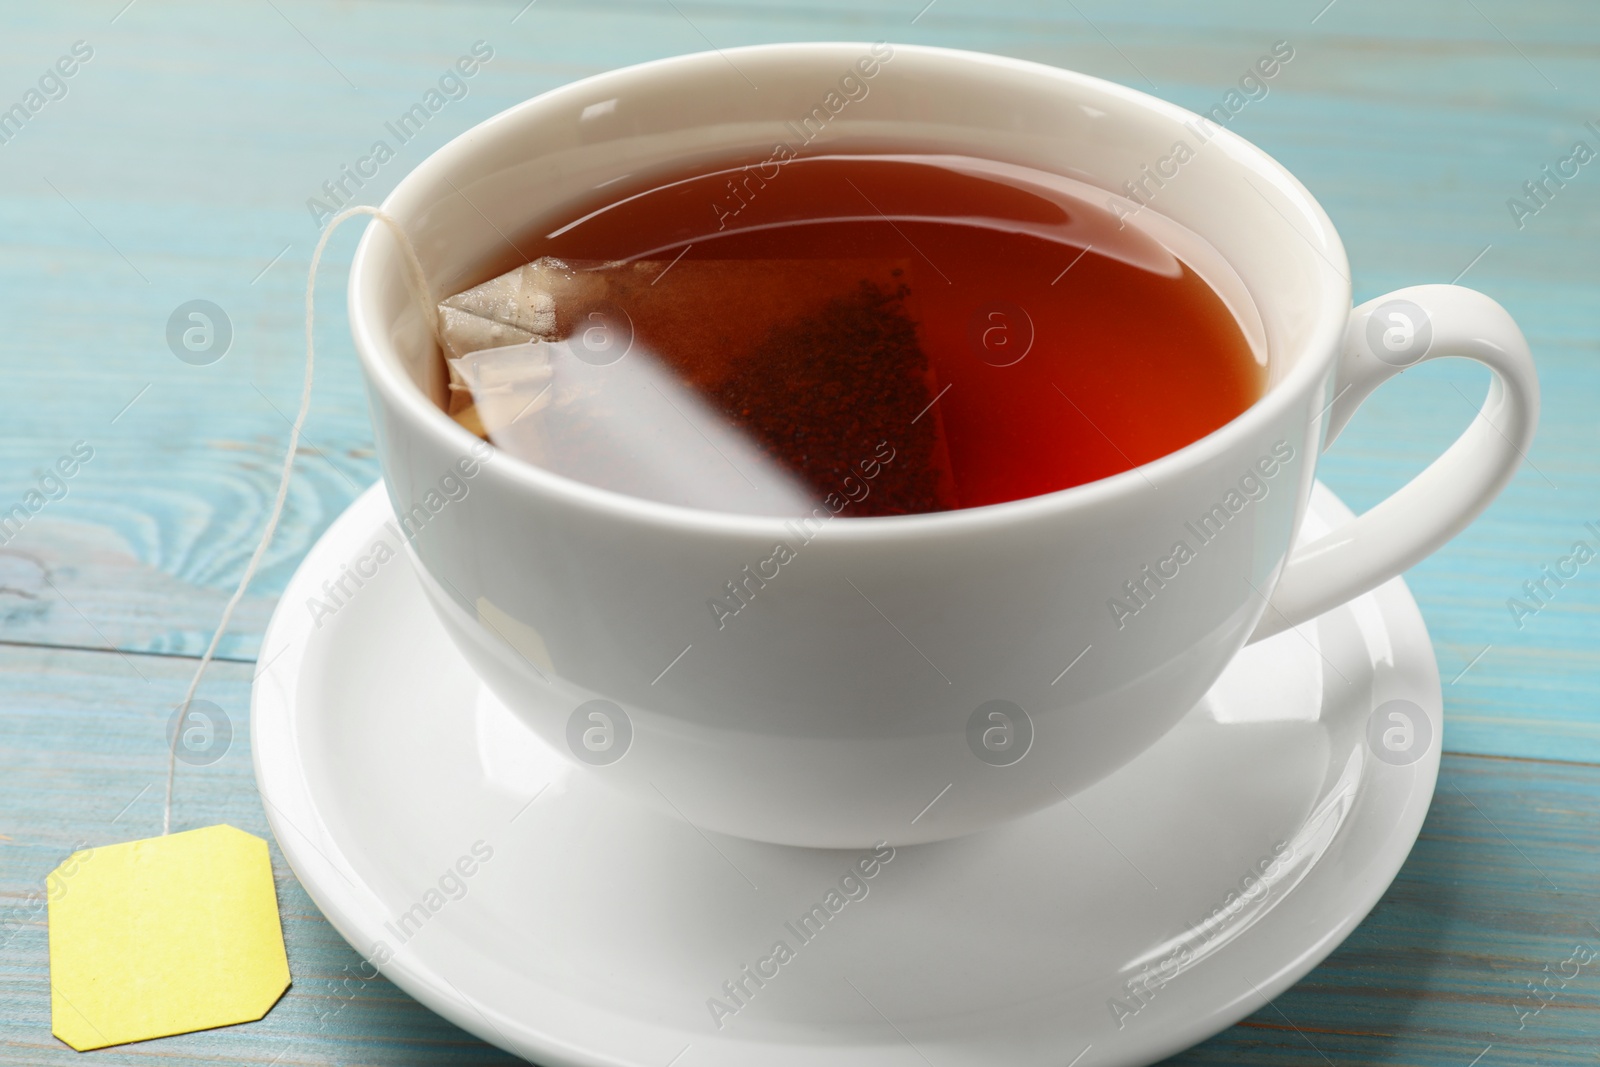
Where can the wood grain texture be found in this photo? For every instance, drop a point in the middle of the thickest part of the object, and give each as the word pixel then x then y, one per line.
pixel 178 165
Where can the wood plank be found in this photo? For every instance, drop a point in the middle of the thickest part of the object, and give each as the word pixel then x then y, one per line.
pixel 178 166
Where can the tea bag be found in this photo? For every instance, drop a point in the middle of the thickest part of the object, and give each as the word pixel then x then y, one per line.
pixel 516 308
pixel 758 386
pixel 631 427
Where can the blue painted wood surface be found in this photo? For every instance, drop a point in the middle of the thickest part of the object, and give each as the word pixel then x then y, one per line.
pixel 177 166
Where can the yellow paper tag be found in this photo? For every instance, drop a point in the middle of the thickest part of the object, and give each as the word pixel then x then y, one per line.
pixel 164 936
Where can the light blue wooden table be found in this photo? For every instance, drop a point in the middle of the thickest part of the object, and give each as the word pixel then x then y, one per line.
pixel 175 163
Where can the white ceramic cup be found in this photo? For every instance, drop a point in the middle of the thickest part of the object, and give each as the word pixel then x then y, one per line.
pixel 915 677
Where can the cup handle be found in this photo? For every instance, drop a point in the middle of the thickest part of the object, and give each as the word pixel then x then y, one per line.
pixel 1384 337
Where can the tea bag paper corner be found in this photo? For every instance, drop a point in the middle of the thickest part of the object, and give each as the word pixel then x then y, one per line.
pixel 163 936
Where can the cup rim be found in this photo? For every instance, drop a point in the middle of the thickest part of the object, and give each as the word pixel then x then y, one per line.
pixel 385 373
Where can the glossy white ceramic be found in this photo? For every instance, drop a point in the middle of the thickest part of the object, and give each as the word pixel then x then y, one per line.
pixel 996 658
pixel 517 896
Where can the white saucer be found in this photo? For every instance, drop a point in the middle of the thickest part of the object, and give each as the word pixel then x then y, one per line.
pixel 1100 931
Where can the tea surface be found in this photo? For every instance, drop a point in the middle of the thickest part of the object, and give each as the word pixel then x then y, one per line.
pixel 992 330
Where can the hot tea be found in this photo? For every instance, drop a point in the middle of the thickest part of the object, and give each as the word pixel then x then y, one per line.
pixel 886 334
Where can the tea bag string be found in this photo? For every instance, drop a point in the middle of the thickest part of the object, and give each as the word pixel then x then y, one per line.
pixel 418 283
